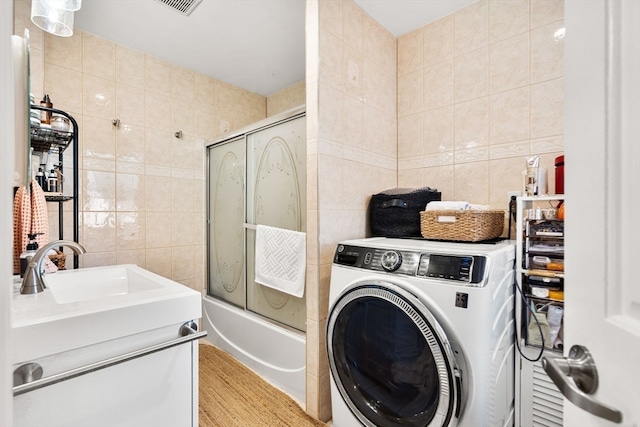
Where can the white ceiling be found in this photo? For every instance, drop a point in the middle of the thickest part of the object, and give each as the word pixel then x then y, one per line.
pixel 257 45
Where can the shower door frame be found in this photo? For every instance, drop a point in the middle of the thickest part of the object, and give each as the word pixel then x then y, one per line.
pixel 243 133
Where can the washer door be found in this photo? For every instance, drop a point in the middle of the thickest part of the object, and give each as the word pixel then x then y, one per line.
pixel 391 360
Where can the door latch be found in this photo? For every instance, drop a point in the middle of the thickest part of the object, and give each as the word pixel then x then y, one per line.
pixel 581 368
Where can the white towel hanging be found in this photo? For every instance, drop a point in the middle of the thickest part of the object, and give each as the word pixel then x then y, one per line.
pixel 281 259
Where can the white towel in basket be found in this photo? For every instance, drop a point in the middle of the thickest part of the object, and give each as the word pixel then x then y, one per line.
pixel 454 206
pixel 447 206
pixel 281 259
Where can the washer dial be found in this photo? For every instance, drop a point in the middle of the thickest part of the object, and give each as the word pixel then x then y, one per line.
pixel 391 260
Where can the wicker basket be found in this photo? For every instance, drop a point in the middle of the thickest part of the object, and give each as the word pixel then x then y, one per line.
pixel 59 259
pixel 465 226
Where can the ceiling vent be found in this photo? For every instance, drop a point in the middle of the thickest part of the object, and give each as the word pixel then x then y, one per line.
pixel 183 6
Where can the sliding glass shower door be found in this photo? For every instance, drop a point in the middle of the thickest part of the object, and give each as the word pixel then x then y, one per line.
pixel 226 201
pixel 256 178
pixel 276 162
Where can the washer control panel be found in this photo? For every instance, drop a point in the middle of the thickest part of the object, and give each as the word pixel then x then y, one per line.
pixel 459 268
pixel 391 260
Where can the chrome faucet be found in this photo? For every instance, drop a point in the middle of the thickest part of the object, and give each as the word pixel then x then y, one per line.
pixel 33 283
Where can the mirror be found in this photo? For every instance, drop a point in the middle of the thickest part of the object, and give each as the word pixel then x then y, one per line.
pixel 21 76
pixel 27 52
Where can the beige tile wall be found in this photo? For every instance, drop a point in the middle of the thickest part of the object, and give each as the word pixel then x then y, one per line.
pixel 142 189
pixel 286 98
pixel 479 91
pixel 351 144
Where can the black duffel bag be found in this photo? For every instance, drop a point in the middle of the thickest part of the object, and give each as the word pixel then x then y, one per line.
pixel 396 212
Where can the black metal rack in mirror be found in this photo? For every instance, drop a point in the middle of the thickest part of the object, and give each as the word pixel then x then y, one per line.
pixel 43 139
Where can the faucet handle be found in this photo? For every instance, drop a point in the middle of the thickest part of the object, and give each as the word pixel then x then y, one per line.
pixel 31 283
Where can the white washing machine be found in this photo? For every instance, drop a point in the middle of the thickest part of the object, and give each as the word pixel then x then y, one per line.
pixel 421 333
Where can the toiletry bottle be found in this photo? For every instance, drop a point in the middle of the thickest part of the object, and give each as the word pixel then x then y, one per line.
pixel 34 114
pixel 59 178
pixel 53 182
pixel 559 162
pixel 531 178
pixel 29 252
pixel 45 116
pixel 42 180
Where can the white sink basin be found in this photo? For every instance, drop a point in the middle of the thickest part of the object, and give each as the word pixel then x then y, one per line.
pixel 85 284
pixel 88 306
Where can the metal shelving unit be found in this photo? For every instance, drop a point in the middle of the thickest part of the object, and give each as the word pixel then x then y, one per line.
pixel 43 139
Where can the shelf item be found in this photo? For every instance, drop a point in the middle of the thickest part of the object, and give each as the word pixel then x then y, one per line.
pixel 533 261
pixel 545 287
pixel 57 197
pixel 44 139
pixel 544 324
pixel 545 228
pixel 544 273
pixel 550 294
pixel 544 246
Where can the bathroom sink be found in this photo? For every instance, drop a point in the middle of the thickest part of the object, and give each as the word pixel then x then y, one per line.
pixel 85 284
pixel 88 306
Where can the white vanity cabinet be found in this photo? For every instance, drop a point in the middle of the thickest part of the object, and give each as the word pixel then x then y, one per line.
pixel 106 346
pixel 154 389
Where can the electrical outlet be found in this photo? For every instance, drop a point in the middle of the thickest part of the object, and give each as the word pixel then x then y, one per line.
pixel 512 193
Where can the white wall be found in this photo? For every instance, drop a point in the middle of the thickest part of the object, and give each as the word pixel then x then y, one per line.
pixel 6 172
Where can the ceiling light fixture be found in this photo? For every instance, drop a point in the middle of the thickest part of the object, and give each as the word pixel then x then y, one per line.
pixel 55 16
pixel 72 5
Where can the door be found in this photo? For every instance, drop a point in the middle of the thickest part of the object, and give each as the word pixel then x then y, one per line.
pixel 256 177
pixel 602 99
pixel 226 221
pixel 276 196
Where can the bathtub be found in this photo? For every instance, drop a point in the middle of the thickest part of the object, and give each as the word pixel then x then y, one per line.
pixel 275 353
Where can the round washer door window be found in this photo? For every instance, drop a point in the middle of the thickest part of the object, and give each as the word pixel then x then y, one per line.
pixel 391 360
